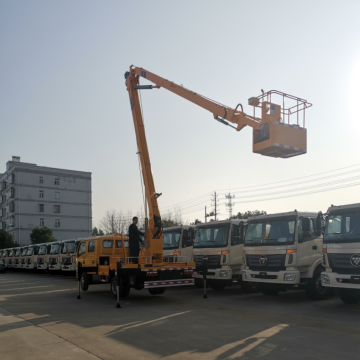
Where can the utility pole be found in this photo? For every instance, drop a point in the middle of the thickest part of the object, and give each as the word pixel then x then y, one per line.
pixel 205 215
pixel 215 205
pixel 230 204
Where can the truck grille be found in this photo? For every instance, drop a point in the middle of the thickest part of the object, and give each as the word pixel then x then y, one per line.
pixel 16 261
pixel 66 261
pixel 40 261
pixel 28 261
pixel 213 263
pixel 340 263
pixel 52 261
pixel 23 261
pixel 274 262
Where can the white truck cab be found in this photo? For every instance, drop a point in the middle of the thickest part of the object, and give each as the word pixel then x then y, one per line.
pixel 43 257
pixel 68 262
pixel 222 243
pixel 285 251
pixel 31 258
pixel 178 243
pixel 5 257
pixel 55 257
pixel 341 252
pixel 11 258
pixel 17 258
pixel 22 261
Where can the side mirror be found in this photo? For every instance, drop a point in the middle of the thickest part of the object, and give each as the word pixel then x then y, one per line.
pixel 319 224
pixel 242 231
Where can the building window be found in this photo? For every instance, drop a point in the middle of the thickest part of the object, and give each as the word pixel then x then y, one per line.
pixel 12 206
pixel 57 195
pixel 41 180
pixel 3 185
pixel 57 209
pixel 41 207
pixel 57 181
pixel 3 199
pixel 12 221
pixel 12 192
pixel 4 212
pixel 12 178
pixel 41 194
pixel 42 222
pixel 57 223
pixel 3 224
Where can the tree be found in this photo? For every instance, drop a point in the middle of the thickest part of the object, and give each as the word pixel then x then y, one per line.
pixel 247 214
pixel 115 222
pixel 41 235
pixel 6 240
pixel 97 232
pixel 172 218
pixel 197 221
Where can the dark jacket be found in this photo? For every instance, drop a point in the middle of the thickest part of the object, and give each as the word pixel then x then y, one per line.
pixel 134 239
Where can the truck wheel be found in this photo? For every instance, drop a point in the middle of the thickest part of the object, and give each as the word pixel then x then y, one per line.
pixel 84 281
pixel 314 288
pixel 349 296
pixel 153 291
pixel 126 290
pixel 217 286
pixel 199 283
pixel 161 290
pixel 269 289
pixel 113 288
pixel 249 287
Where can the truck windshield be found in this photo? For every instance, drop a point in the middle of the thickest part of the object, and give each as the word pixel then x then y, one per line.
pixel 55 249
pixel 5 254
pixel 171 240
pixel 343 227
pixel 270 231
pixel 18 252
pixel 11 253
pixel 42 250
pixel 70 245
pixel 30 251
pixel 24 252
pixel 212 236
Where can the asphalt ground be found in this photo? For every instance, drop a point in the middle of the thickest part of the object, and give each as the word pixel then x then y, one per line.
pixel 40 318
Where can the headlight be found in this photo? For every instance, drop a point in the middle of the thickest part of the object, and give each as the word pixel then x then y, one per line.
pixel 325 279
pixel 223 273
pixel 289 277
pixel 244 275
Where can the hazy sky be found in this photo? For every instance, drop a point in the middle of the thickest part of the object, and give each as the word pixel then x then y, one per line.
pixel 63 101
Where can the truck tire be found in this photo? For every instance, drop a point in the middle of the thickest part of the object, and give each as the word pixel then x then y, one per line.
pixel 199 283
pixel 84 281
pixel 153 291
pixel 249 287
pixel 349 296
pixel 314 289
pixel 161 290
pixel 113 288
pixel 269 289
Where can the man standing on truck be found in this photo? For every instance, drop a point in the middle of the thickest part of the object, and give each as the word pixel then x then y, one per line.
pixel 134 239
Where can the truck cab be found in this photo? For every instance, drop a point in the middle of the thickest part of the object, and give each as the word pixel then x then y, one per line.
pixel 22 261
pixel 341 252
pixel 178 243
pixel 222 243
pixel 31 259
pixel 43 257
pixel 5 257
pixel 55 257
pixel 17 258
pixel 11 258
pixel 283 251
pixel 68 263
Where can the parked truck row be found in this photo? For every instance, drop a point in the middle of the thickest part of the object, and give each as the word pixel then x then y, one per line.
pixel 315 252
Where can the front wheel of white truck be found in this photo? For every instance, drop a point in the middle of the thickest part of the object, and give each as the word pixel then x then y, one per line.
pixel 350 296
pixel 314 288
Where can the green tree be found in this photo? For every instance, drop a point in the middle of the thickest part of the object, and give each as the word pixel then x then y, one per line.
pixel 97 232
pixel 41 235
pixel 6 240
pixel 247 214
pixel 197 221
pixel 169 223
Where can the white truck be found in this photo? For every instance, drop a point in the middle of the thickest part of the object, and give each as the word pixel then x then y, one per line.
pixel 22 259
pixel 341 252
pixel 43 257
pixel 222 243
pixel 68 260
pixel 55 257
pixel 5 257
pixel 31 258
pixel 178 243
pixel 17 258
pixel 11 258
pixel 284 251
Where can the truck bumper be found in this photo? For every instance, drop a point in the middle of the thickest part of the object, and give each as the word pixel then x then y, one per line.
pixel 17 266
pixel 215 274
pixel 30 266
pixel 276 277
pixel 71 267
pixel 167 283
pixel 331 279
pixel 42 266
pixel 55 267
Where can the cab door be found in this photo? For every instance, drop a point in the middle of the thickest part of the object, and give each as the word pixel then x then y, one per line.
pixel 81 254
pixel 236 246
pixel 90 255
pixel 309 245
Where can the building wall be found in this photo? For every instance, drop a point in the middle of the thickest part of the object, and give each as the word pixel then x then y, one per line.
pixel 70 190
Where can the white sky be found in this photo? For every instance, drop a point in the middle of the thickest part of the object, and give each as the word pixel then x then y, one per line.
pixel 63 101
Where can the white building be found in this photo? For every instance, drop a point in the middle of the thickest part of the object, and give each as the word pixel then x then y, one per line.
pixel 34 195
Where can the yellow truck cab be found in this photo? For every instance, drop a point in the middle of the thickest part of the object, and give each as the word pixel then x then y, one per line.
pixel 97 260
pixel 43 257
